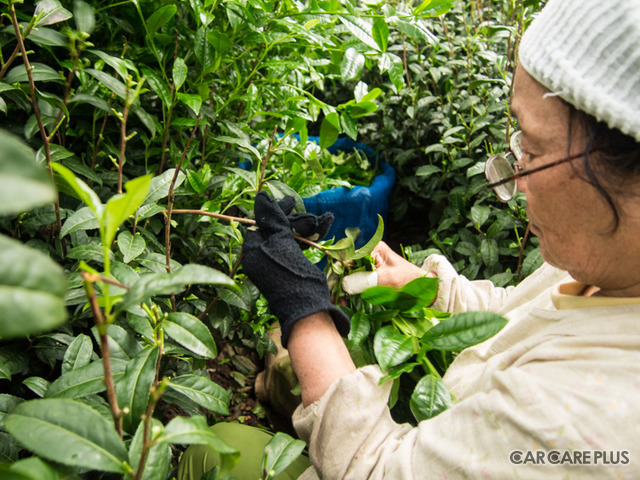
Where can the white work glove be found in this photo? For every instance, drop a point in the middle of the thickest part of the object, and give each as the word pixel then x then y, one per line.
pixel 358 282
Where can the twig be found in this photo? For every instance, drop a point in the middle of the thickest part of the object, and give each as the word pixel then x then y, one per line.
pixel 34 102
pixel 165 137
pixel 266 158
pixel 242 220
pixel 104 348
pixel 123 142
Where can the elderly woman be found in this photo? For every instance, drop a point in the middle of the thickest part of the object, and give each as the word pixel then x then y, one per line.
pixel 553 395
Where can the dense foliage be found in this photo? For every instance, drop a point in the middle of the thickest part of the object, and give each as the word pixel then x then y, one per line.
pixel 124 190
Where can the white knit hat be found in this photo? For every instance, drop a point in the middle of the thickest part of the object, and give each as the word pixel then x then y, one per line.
pixel 588 53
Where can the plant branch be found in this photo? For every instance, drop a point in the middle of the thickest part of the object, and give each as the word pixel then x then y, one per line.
pixel 248 221
pixel 266 158
pixel 104 348
pixel 123 142
pixel 34 102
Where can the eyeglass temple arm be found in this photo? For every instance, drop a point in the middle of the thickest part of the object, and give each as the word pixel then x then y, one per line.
pixel 534 170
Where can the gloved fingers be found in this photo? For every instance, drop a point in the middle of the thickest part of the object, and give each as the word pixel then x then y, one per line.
pixel 304 224
pixel 311 226
pixel 269 216
pixel 287 204
pixel 358 282
pixel 324 224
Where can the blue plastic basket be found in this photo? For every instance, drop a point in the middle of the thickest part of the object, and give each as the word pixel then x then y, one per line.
pixel 358 206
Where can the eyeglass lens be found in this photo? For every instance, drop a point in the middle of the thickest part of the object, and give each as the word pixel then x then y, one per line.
pixel 498 168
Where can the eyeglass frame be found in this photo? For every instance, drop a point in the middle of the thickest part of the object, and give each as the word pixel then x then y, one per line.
pixel 519 172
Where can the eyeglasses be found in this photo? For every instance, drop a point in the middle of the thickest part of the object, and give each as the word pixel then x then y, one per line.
pixel 503 171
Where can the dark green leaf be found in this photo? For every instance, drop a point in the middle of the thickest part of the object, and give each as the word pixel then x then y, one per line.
pixel 391 347
pixel 68 432
pixel 23 183
pixel 429 398
pixel 202 391
pixel 464 330
pixel 133 387
pixel 40 72
pixel 167 283
pixel 191 333
pixel 84 381
pixel 159 456
pixel 160 17
pixel 84 15
pixel 159 187
pixel 329 130
pixel 280 452
pixel 131 246
pixel 83 219
pixel 37 385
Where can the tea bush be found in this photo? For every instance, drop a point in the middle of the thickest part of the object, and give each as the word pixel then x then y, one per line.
pixel 123 199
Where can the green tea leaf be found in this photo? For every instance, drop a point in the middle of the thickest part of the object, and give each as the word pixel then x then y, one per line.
pixel 202 391
pixel 158 85
pixel 464 330
pixel 194 102
pixel 160 17
pixel 391 348
pixel 120 207
pixel 191 333
pixel 23 183
pixel 280 452
pixel 352 64
pixel 159 187
pixel 361 30
pixel 159 456
pixel 84 381
pixel 39 71
pixel 360 329
pixel 179 73
pixel 80 188
pixel 131 246
pixel 83 219
pixel 112 83
pixel 329 130
pixel 37 385
pixel 78 354
pixel 168 283
pixel 133 387
pixel 68 432
pixel 380 33
pixel 84 15
pixel 195 431
pixel 373 241
pixel 430 398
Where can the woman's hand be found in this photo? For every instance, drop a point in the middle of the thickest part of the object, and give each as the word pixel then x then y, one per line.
pixel 391 270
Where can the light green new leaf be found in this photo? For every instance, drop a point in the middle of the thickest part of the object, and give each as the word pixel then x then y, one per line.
pixel 195 431
pixel 84 381
pixel 160 17
pixel 373 241
pixel 133 387
pixel 159 456
pixel 160 185
pixel 179 72
pixel 23 183
pixel 80 188
pixel 83 219
pixel 429 398
pixel 191 333
pixel 281 451
pixel 78 354
pixel 391 348
pixel 68 432
pixel 121 207
pixel 168 283
pixel 464 330
pixel 202 391
pixel 131 246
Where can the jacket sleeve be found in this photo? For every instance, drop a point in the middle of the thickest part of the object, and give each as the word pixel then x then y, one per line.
pixel 351 434
pixel 458 294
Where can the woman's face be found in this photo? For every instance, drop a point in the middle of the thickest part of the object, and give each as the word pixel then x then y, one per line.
pixel 572 220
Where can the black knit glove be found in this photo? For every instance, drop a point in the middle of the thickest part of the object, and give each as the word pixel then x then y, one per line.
pixel 273 260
